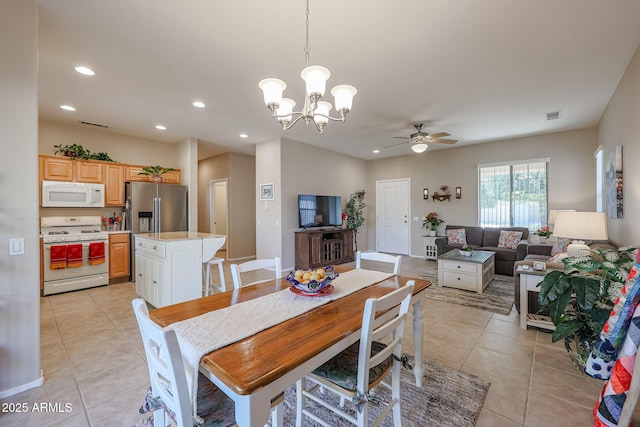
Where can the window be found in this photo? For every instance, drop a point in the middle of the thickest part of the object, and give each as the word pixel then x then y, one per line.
pixel 513 194
pixel 599 155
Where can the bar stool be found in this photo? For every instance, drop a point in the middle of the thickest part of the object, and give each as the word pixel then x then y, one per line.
pixel 208 280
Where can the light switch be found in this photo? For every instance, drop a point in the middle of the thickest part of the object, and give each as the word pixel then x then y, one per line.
pixel 16 246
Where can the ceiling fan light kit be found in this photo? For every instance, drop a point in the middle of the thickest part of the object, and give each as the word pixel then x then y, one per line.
pixel 315 110
pixel 420 140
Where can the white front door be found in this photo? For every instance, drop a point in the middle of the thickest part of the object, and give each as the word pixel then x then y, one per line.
pixel 392 216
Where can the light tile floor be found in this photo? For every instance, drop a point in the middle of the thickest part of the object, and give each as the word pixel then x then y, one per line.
pixel 94 363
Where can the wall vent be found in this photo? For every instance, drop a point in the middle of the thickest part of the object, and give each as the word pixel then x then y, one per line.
pixel 553 115
pixel 95 124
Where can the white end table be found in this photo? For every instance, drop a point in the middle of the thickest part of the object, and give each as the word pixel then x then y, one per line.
pixel 529 279
pixel 430 248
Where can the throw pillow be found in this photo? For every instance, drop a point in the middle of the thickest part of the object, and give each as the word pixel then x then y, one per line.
pixel 558 257
pixel 456 235
pixel 509 239
pixel 560 245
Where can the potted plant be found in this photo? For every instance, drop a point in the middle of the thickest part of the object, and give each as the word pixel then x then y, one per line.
pixel 155 172
pixel 354 211
pixel 431 221
pixel 580 298
pixel 74 151
pixel 543 233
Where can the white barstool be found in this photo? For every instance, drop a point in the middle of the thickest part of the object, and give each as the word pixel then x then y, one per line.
pixel 208 280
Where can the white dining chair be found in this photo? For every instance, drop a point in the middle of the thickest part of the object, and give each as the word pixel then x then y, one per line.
pixel 379 257
pixel 258 264
pixel 170 397
pixel 378 352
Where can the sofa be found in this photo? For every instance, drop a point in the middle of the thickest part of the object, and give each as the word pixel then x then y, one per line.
pixel 486 239
pixel 542 253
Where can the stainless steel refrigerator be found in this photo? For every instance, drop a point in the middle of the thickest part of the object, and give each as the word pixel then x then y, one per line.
pixel 154 208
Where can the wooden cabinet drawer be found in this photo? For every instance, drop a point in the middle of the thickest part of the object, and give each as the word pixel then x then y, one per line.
pixel 460 280
pixel 119 238
pixel 464 267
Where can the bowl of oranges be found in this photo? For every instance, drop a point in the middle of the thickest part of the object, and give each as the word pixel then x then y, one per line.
pixel 312 281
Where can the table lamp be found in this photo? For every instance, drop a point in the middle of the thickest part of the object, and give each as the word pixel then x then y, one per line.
pixel 582 226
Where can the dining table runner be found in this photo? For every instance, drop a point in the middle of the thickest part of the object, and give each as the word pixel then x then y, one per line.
pixel 203 334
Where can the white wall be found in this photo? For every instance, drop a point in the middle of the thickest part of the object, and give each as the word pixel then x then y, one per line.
pixel 269 213
pixel 620 125
pixel 19 275
pixel 571 176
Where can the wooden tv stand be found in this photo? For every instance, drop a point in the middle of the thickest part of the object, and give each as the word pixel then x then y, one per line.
pixel 317 248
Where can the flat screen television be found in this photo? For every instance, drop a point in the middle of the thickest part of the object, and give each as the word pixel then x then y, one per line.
pixel 319 211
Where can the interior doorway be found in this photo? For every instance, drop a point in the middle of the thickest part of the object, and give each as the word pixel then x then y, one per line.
pixel 392 216
pixel 218 208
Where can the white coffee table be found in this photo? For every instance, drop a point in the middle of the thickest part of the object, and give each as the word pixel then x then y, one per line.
pixel 471 273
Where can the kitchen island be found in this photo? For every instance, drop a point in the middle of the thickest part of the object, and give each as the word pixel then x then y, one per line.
pixel 169 265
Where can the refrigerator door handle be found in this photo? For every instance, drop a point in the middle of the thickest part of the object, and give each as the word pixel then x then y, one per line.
pixel 156 214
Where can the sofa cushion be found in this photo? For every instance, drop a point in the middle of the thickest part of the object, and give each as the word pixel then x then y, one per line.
pixel 504 254
pixel 509 239
pixel 560 245
pixel 456 236
pixel 558 257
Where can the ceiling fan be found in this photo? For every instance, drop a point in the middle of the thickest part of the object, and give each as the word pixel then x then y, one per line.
pixel 421 139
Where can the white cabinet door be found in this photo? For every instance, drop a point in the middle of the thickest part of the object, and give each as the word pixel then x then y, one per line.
pixel 142 276
pixel 156 282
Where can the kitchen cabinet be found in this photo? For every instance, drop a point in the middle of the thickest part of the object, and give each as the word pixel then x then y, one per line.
pixel 88 171
pixel 132 174
pixel 119 255
pixel 168 267
pixel 56 168
pixel 114 184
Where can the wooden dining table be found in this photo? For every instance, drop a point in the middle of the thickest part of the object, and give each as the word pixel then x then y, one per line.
pixel 255 369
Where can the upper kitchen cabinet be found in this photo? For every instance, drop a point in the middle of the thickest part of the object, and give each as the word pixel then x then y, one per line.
pixel 133 174
pixel 58 168
pixel 114 184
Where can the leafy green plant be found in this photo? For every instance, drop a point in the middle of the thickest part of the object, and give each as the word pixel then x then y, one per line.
pixel 580 298
pixel 77 151
pixel 354 210
pixel 156 170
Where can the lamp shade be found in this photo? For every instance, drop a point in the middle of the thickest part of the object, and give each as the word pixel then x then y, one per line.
pixel 272 90
pixel 553 214
pixel 285 110
pixel 321 113
pixel 419 148
pixel 581 225
pixel 343 95
pixel 315 78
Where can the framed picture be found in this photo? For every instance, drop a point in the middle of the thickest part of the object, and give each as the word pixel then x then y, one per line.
pixel 266 192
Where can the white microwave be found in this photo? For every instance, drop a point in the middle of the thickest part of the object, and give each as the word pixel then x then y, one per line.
pixel 57 194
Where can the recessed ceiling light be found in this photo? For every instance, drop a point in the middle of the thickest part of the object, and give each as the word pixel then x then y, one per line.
pixel 376 151
pixel 67 107
pixel 85 70
pixel 199 104
pixel 244 135
pixel 160 127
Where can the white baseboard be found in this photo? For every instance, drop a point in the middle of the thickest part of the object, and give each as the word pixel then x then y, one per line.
pixel 23 387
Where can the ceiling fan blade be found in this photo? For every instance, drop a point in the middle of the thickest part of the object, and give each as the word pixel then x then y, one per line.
pixel 393 145
pixel 402 137
pixel 444 141
pixel 439 135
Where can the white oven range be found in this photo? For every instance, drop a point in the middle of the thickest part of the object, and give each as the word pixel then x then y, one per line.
pixel 65 231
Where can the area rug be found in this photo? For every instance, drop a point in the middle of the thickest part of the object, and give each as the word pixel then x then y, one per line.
pixel 497 297
pixel 448 398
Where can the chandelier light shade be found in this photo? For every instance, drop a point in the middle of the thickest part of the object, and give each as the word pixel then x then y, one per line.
pixel 315 109
pixel 419 148
pixel 582 226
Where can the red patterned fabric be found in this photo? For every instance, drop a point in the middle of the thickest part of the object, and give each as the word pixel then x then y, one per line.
pixel 96 253
pixel 58 257
pixel 74 255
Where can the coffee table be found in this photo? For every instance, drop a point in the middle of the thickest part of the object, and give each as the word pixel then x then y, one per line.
pixel 471 273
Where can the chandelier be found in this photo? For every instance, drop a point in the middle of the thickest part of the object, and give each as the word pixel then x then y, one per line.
pixel 315 110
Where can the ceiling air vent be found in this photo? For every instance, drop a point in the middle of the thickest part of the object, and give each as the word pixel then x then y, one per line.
pixel 95 124
pixel 553 115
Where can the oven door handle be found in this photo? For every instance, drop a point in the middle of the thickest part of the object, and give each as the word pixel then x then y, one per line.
pixel 47 246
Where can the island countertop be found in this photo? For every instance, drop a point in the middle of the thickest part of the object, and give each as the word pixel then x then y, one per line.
pixel 179 235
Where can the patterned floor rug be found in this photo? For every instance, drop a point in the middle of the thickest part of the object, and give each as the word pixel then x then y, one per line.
pixel 449 398
pixel 497 297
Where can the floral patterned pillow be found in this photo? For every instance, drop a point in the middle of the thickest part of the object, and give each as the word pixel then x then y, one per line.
pixel 456 235
pixel 560 245
pixel 509 239
pixel 558 257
